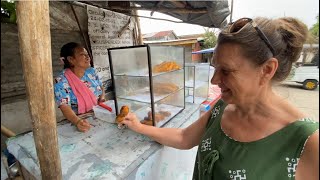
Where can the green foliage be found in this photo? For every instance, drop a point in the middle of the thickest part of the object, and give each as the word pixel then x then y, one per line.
pixel 315 28
pixel 210 39
pixel 8 12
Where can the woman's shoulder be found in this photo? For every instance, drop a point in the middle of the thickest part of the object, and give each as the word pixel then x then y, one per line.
pixel 91 70
pixel 60 78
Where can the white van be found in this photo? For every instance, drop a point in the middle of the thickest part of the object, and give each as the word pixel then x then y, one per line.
pixel 306 74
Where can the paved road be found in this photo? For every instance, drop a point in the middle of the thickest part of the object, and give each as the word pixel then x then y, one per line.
pixel 306 100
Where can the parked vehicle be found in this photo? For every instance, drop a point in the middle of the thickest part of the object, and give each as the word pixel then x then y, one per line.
pixel 306 74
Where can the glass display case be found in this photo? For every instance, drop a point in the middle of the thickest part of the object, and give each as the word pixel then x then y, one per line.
pixel 150 80
pixel 196 82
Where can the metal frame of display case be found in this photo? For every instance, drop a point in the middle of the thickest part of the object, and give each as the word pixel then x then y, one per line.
pixel 150 80
pixel 193 66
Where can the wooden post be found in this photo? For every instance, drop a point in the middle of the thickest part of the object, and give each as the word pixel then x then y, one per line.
pixel 140 38
pixel 35 48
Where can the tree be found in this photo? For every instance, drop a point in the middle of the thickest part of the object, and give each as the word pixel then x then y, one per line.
pixel 313 37
pixel 8 12
pixel 210 39
pixel 315 28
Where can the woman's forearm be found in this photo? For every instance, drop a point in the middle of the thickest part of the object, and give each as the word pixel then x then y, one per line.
pixel 69 114
pixel 172 137
pixel 103 94
pixel 178 138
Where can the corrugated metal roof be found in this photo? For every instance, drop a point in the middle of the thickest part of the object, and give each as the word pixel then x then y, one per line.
pixel 215 16
pixel 209 13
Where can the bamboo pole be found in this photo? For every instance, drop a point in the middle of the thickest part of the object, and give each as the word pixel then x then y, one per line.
pixel 140 38
pixel 82 33
pixel 35 49
pixel 7 132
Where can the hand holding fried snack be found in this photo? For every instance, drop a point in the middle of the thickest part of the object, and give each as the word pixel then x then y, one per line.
pixel 120 117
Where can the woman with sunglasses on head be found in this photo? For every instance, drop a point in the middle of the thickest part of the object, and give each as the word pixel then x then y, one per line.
pixel 251 132
pixel 77 88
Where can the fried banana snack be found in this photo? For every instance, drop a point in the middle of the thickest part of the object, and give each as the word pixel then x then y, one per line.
pixel 164 88
pixel 120 117
pixel 166 66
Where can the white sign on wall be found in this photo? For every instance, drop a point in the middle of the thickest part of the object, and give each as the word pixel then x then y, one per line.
pixel 104 29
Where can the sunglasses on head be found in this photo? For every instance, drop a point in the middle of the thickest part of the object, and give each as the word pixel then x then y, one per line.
pixel 238 25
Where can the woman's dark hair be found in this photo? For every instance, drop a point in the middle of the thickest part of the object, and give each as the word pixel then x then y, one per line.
pixel 68 50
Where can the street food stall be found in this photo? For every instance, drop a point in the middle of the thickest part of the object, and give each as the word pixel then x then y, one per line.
pixel 58 151
pixel 105 152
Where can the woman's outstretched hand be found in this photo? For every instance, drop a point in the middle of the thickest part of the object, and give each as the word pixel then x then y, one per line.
pixel 132 122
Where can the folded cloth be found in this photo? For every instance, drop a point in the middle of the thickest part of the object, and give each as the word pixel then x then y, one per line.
pixel 85 97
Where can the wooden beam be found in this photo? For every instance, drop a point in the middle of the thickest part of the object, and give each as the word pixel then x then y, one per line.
pixel 175 43
pixel 84 5
pixel 157 4
pixel 7 132
pixel 125 27
pixel 113 7
pixel 83 35
pixel 179 4
pixel 35 47
pixel 176 10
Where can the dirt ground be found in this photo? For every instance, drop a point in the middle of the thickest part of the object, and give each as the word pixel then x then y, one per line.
pixel 306 100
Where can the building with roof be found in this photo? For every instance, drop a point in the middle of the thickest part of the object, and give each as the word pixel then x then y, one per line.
pixel 190 42
pixel 160 36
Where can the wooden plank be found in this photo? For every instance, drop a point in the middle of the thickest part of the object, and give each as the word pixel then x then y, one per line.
pixel 175 42
pixel 179 4
pixel 35 47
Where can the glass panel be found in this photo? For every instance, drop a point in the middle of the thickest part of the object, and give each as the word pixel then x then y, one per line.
pixel 189 95
pixel 166 58
pixel 130 61
pixel 189 73
pixel 202 72
pixel 169 107
pixel 167 84
pixel 133 88
pixel 197 82
pixel 132 81
pixel 134 106
pixel 201 94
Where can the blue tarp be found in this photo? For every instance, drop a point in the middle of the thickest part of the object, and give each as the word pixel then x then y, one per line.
pixel 210 50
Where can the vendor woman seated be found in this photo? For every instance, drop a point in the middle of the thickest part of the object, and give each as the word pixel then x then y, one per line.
pixel 77 88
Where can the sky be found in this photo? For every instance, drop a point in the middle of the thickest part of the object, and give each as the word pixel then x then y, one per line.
pixel 305 10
